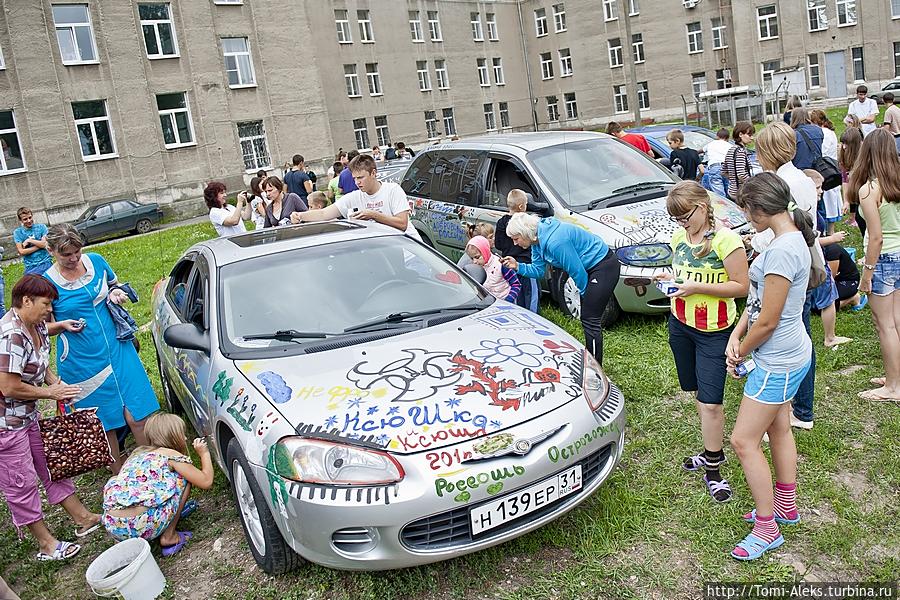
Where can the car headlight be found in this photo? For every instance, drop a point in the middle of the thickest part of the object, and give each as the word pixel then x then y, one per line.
pixel 320 461
pixel 645 255
pixel 594 383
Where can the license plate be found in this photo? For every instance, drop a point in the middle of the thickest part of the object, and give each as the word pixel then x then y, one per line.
pixel 513 506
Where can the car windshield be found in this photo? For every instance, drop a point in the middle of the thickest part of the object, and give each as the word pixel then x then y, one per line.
pixel 87 212
pixel 307 295
pixel 592 170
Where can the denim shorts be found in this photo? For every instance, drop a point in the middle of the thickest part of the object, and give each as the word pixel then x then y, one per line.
pixel 774 388
pixel 886 277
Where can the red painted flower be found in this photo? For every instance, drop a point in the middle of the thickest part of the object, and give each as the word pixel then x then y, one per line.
pixel 547 375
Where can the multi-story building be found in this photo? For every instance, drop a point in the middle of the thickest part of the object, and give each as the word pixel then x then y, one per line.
pixel 102 99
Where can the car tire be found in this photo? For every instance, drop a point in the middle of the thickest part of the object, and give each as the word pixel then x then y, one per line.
pixel 569 301
pixel 84 239
pixel 173 404
pixel 143 226
pixel 272 553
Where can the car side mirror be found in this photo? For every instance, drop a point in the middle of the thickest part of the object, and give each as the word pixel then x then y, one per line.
pixel 93 218
pixel 186 336
pixel 476 272
pixel 540 207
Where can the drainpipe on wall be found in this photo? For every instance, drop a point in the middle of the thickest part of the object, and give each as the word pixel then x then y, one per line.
pixel 531 99
pixel 628 56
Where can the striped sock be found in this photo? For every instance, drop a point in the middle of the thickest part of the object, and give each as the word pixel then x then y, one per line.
pixel 765 529
pixel 786 500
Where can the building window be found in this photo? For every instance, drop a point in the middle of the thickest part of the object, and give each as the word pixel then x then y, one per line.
pixel 94 130
pixel 846 12
pixel 477 30
pixel 492 31
pixel 159 33
pixel 352 81
pixel 2 60
pixel 175 119
pixel 366 33
pixel 443 77
pixel 74 34
pixel 610 10
pixel 373 79
pixel 723 79
pixel 431 125
pixel 342 23
pixel 489 123
pixel 767 22
pixel 229 2
pixel 816 15
pixel 634 9
pixel 694 38
pixel 620 98
pixel 895 9
pixel 768 73
pixel 238 64
pixel 859 68
pixel 11 160
pixel 361 133
pixel 424 77
pixel 559 18
pixel 552 109
pixel 504 115
pixel 540 22
pixel 812 67
pixel 546 66
pixel 381 131
pixel 415 26
pixel 896 59
pixel 698 83
pixel 252 136
pixel 565 63
pixel 643 94
pixel 434 26
pixel 614 49
pixel 718 34
pixel 449 123
pixel 571 106
pixel 637 47
pixel 483 77
pixel 498 71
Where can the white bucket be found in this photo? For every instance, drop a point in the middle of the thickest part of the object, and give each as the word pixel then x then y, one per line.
pixel 127 571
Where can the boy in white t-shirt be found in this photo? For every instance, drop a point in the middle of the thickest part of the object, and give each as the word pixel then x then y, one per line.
pixel 864 108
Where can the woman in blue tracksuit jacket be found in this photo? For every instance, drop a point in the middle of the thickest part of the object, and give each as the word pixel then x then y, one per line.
pixel 584 256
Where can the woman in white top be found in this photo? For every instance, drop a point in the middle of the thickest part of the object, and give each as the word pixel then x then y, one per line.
pixel 225 219
pixel 258 202
pixel 834 203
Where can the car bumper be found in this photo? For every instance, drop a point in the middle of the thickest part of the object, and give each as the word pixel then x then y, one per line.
pixel 407 524
pixel 637 293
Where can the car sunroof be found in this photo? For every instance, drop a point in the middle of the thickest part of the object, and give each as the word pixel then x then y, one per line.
pixel 272 235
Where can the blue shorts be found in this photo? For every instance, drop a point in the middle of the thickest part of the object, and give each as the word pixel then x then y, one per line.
pixel 774 388
pixel 886 277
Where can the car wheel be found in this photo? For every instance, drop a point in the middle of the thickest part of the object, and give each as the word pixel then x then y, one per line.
pixel 84 239
pixel 271 552
pixel 569 300
pixel 173 404
pixel 143 226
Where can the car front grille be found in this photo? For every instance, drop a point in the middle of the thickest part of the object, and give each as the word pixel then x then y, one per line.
pixel 451 528
pixel 354 540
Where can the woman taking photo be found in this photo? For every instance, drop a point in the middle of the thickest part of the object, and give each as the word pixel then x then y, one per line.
pixel 771 330
pixel 225 219
pixel 24 370
pixel 711 264
pixel 584 256
pixel 108 370
pixel 736 167
pixel 281 205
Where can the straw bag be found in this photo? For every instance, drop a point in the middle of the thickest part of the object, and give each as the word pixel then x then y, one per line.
pixel 74 443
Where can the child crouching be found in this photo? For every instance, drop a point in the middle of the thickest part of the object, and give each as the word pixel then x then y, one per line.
pixel 149 495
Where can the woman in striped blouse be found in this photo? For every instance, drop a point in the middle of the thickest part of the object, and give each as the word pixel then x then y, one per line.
pixel 736 167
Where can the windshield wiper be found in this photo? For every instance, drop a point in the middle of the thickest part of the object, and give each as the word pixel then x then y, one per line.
pixel 399 317
pixel 289 335
pixel 644 185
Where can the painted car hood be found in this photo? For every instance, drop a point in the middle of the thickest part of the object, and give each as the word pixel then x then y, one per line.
pixel 431 388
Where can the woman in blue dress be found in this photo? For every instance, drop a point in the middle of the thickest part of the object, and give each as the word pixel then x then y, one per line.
pixel 108 370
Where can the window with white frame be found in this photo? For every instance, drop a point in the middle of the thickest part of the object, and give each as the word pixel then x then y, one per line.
pixel 816 15
pixel 559 18
pixel 351 79
pixel 443 76
pixel 366 33
pixel 477 29
pixel 415 26
pixel 74 33
pixel 254 147
pixel 11 159
pixel 614 50
pixel 449 122
pixel 227 2
pixel 95 134
pixel 633 8
pixel 552 109
pixel 546 66
pixel 610 10
pixel 424 76
pixel 504 115
pixel 431 125
pixel 493 33
pixel 694 38
pixel 565 62
pixel 2 60
pixel 643 94
pixel 571 106
pixel 859 67
pixel 722 81
pixel 846 12
pixel 361 133
pixel 768 73
pixel 434 26
pixel 159 32
pixel 540 22
pixel 382 134
pixel 620 98
pixel 238 63
pixel 489 123
pixel 342 24
pixel 698 83
pixel 718 34
pixel 895 9
pixel 175 119
pixel 767 22
pixel 484 79
pixel 637 47
pixel 498 71
pixel 896 59
pixel 812 68
pixel 373 79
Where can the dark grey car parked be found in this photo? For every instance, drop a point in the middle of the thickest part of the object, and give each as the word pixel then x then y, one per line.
pixel 118 216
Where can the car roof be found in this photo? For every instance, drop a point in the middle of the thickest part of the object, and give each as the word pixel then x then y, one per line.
pixel 663 129
pixel 526 141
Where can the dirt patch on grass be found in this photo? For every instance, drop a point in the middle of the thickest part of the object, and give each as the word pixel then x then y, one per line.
pixel 849 370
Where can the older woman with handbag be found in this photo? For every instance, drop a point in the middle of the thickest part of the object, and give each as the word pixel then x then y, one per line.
pixel 24 369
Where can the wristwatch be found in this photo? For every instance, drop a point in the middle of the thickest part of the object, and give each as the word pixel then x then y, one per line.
pixel 869 267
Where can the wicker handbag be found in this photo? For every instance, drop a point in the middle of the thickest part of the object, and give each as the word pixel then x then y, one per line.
pixel 74 443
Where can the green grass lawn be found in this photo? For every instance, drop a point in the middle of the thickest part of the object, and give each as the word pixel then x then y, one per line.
pixel 651 531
